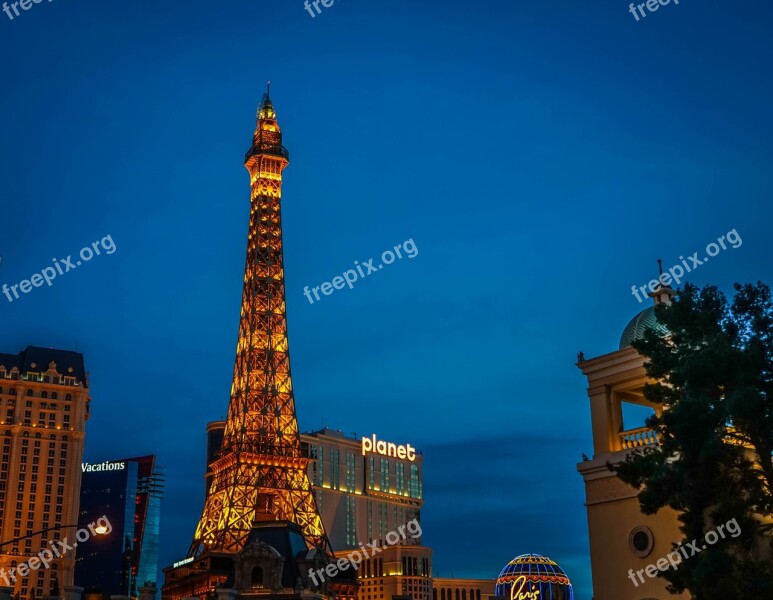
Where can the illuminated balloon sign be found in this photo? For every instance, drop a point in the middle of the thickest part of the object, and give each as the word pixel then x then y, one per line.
pixel 533 577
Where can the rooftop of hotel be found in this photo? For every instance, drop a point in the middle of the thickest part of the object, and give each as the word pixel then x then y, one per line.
pixel 38 360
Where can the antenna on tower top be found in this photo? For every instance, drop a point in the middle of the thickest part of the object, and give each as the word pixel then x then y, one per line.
pixel 268 89
pixel 660 266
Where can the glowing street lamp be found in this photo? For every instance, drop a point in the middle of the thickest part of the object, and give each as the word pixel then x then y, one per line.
pixel 98 530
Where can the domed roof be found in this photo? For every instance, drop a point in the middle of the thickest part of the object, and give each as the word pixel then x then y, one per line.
pixel 639 324
pixel 532 575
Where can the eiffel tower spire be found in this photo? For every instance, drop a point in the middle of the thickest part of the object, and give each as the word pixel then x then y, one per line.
pixel 261 474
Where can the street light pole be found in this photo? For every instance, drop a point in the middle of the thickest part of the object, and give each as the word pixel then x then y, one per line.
pixel 33 534
pixel 99 530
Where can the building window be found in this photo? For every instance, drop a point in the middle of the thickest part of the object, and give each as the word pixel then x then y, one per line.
pixel 383 520
pixel 318 477
pixel 415 485
pixel 384 475
pixel 370 520
pixel 335 469
pixel 372 470
pixel 641 541
pixel 351 521
pixel 400 478
pixel 350 472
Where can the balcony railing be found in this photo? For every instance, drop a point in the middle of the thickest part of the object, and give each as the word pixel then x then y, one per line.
pixel 267 149
pixel 638 438
pixel 644 436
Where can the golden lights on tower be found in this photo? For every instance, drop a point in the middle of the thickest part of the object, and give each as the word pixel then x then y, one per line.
pixel 261 473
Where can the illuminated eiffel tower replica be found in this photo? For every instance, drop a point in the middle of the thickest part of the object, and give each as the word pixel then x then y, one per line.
pixel 261 474
pixel 260 484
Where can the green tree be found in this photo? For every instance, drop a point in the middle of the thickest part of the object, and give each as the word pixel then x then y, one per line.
pixel 714 373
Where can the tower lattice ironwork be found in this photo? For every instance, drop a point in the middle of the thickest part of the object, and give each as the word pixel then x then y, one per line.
pixel 261 473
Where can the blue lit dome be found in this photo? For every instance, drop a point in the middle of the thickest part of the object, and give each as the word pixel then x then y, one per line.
pixel 533 577
pixel 639 324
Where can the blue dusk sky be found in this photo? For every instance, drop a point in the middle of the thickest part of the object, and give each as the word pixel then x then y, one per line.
pixel 541 155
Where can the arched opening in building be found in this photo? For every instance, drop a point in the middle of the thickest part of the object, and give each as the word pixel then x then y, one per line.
pixel 256 577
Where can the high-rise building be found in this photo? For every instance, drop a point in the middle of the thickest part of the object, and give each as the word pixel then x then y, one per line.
pixel 364 488
pixel 620 534
pixel 128 493
pixel 44 406
pixel 260 503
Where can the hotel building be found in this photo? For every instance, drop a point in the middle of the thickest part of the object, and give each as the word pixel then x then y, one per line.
pixel 363 494
pixel 128 492
pixel 44 406
pixel 366 488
